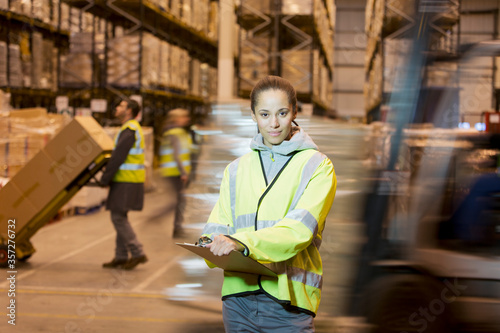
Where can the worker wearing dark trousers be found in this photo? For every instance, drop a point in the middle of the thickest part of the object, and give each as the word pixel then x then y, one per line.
pixel 125 175
pixel 175 161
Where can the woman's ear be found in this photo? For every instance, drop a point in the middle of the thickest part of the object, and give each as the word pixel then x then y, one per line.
pixel 253 117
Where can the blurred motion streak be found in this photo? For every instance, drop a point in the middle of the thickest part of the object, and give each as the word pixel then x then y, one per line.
pixel 431 260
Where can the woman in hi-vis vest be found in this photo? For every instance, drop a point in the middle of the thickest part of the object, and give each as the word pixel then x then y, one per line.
pixel 272 207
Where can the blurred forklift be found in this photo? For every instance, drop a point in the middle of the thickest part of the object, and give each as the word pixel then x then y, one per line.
pixel 47 182
pixel 431 260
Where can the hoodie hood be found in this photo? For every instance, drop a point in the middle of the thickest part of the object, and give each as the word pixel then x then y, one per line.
pixel 300 140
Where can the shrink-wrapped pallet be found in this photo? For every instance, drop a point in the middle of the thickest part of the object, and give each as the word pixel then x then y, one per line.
pixel 175 8
pixel 22 7
pixel 315 73
pixel 25 133
pixel 41 10
pixel 213 20
pixel 3 64
pixel 187 12
pixel 263 6
pixel 185 60
pixel 253 61
pixel 76 69
pixel 15 67
pixel 204 80
pixel 49 66
pixel 81 42
pixel 213 81
pixel 75 15
pixel 37 61
pixel 150 60
pixel 396 54
pixel 165 77
pixel 54 18
pixel 296 7
pixel 64 14
pixel 123 61
pixel 195 77
pixel 296 68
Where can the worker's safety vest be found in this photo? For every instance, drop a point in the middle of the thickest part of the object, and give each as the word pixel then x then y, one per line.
pixel 168 164
pixel 132 170
pixel 289 211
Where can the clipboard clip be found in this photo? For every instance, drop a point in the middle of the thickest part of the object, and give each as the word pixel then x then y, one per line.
pixel 204 240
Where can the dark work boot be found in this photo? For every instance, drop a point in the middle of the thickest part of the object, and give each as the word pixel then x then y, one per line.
pixel 132 262
pixel 115 263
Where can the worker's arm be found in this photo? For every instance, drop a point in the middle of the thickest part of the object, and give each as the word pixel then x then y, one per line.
pixel 176 147
pixel 125 143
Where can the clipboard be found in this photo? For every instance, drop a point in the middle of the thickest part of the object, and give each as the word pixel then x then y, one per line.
pixel 234 262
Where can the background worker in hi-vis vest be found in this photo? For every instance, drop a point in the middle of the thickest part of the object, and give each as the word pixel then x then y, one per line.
pixel 272 207
pixel 175 161
pixel 125 175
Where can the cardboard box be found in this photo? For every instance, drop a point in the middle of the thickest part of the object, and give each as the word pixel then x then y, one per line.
pixel 49 173
pixel 14 206
pixel 28 113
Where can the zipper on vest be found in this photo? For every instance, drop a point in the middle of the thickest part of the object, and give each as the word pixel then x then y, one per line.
pixel 270 185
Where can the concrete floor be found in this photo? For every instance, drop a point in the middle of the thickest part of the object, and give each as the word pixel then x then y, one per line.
pixel 63 288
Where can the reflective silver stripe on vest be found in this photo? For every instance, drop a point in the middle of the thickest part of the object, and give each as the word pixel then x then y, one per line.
pixel 136 151
pixel 262 224
pixel 306 218
pixel 166 151
pixel 174 164
pixel 307 173
pixel 233 167
pixel 245 221
pixel 305 277
pixel 302 215
pixel 129 166
pixel 171 151
pixel 138 136
pixel 216 229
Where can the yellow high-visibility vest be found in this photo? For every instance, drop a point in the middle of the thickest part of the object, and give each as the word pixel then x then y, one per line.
pixel 280 223
pixel 168 165
pixel 132 170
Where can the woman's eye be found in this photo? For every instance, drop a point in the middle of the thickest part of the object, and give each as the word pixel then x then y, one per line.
pixel 263 115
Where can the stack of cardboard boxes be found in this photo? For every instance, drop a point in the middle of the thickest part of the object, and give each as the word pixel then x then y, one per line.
pixel 51 177
pixel 22 134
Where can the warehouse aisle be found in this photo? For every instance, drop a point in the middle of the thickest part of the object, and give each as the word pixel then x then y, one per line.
pixel 63 288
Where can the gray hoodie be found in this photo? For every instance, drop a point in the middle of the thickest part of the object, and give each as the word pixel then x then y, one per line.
pixel 274 158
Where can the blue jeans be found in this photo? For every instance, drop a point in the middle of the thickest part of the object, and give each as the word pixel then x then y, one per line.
pixel 259 313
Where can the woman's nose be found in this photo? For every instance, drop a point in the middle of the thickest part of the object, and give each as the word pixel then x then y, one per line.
pixel 274 121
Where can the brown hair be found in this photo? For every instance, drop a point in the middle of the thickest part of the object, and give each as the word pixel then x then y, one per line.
pixel 133 105
pixel 275 83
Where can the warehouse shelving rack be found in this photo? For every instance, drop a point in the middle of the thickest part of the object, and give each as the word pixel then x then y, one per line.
pixel 138 17
pixel 393 20
pixel 12 27
pixel 272 42
pixel 323 63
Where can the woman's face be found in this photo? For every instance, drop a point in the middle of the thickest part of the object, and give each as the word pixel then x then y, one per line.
pixel 274 116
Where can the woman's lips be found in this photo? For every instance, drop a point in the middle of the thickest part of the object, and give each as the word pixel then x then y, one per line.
pixel 274 133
